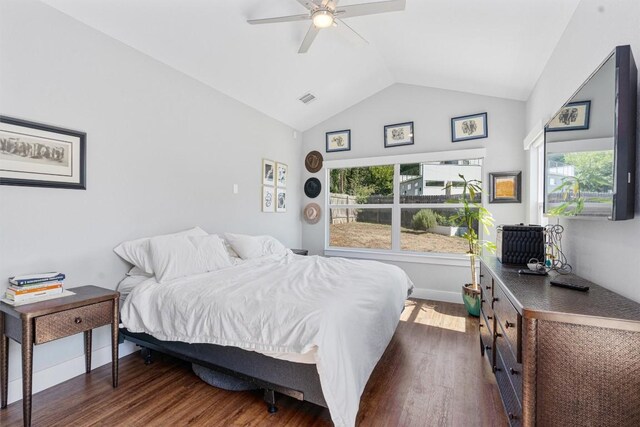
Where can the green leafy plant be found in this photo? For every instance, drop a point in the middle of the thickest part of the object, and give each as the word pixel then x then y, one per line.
pixel 470 214
pixel 573 202
pixel 424 219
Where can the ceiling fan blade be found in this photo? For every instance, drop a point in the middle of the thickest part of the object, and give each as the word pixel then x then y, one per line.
pixel 311 4
pixel 308 39
pixel 370 8
pixel 291 18
pixel 346 31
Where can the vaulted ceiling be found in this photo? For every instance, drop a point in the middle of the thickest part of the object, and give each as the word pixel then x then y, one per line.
pixel 492 47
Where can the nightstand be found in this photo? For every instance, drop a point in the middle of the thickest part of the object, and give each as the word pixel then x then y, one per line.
pixel 41 322
pixel 304 252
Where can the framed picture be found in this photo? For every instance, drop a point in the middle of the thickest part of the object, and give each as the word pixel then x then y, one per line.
pixel 339 140
pixel 268 172
pixel 398 134
pixel 281 174
pixel 573 116
pixel 281 200
pixel 505 187
pixel 464 128
pixel 268 199
pixel 37 155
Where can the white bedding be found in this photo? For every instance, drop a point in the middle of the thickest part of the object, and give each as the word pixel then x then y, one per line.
pixel 345 310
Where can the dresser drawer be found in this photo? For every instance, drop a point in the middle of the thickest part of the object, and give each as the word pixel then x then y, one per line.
pixel 509 397
pixel 512 367
pixel 486 282
pixel 70 322
pixel 486 338
pixel 510 322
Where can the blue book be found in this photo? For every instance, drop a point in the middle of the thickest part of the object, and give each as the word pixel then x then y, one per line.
pixel 30 279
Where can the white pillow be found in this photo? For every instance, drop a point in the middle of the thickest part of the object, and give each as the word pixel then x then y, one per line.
pixel 137 271
pixel 178 256
pixel 250 247
pixel 136 252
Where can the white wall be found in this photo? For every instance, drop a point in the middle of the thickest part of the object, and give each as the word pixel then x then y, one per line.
pixel 430 110
pixel 603 251
pixel 163 152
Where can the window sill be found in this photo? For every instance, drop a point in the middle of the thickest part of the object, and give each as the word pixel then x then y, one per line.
pixel 457 260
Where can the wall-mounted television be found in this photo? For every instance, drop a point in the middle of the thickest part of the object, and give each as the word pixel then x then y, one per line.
pixel 590 145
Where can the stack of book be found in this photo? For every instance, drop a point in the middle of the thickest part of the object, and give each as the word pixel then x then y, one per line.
pixel 32 286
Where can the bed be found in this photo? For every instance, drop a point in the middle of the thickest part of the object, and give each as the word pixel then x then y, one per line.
pixel 309 327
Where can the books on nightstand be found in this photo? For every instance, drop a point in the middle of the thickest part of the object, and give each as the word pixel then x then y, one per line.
pixel 34 286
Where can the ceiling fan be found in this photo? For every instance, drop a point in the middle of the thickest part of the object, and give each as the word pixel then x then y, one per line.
pixel 327 13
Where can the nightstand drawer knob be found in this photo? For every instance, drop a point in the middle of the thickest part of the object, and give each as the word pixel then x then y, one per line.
pixel 78 320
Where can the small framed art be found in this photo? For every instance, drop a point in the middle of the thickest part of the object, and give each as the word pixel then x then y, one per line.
pixel 268 172
pixel 505 187
pixel 573 116
pixel 339 140
pixel 281 200
pixel 268 199
pixel 398 134
pixel 37 155
pixel 464 128
pixel 282 171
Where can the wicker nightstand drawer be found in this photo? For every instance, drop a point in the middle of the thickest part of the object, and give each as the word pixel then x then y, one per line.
pixel 71 322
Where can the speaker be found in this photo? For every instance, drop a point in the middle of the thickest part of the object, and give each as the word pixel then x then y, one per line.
pixel 517 244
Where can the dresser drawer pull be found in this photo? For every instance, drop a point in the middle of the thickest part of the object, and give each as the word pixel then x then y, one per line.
pixel 483 301
pixel 508 324
pixel 489 317
pixel 78 320
pixel 513 371
pixel 512 416
pixel 496 369
pixel 481 325
pixel 482 275
pixel 496 299
pixel 488 287
pixel 498 335
pixel 487 347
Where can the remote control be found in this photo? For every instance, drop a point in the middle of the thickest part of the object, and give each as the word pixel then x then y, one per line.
pixel 568 285
pixel 532 272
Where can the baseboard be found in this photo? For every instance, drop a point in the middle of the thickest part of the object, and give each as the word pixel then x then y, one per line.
pixel 445 296
pixel 62 372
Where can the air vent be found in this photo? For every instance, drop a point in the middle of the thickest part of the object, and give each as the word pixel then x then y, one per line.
pixel 307 98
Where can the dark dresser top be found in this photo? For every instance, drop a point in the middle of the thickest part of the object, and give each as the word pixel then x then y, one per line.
pixel 534 297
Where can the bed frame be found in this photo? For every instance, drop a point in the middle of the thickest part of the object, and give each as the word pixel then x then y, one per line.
pixel 297 380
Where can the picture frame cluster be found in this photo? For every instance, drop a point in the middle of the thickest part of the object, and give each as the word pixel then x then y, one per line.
pixel 274 186
pixel 463 128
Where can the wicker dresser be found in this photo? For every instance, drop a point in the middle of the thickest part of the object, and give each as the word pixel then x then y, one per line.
pixel 561 357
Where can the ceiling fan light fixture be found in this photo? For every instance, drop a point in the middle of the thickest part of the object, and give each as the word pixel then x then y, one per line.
pixel 322 18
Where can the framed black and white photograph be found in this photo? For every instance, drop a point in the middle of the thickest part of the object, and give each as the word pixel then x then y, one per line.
pixel 268 172
pixel 282 171
pixel 398 134
pixel 339 140
pixel 473 126
pixel 268 199
pixel 505 187
pixel 573 116
pixel 38 155
pixel 281 200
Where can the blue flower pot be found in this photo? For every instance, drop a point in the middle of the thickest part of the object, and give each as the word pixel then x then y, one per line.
pixel 471 299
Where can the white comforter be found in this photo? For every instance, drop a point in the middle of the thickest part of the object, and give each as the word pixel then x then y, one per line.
pixel 347 310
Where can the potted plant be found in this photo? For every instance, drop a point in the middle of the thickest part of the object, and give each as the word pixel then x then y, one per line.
pixel 473 213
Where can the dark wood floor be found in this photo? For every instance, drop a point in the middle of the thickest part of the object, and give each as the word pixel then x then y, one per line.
pixel 430 375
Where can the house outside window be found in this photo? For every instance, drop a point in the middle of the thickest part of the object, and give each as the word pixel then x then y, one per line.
pixel 372 208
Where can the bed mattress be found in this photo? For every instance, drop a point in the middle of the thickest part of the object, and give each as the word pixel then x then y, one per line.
pixel 340 312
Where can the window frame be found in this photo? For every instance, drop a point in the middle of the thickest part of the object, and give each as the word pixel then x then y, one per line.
pixel 395 253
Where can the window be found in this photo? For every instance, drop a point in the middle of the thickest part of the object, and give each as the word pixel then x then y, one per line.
pixel 402 207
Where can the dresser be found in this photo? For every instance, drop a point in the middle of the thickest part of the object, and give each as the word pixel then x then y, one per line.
pixel 561 357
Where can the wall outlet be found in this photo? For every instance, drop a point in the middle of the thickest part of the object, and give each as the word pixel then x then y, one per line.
pixel 235 188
